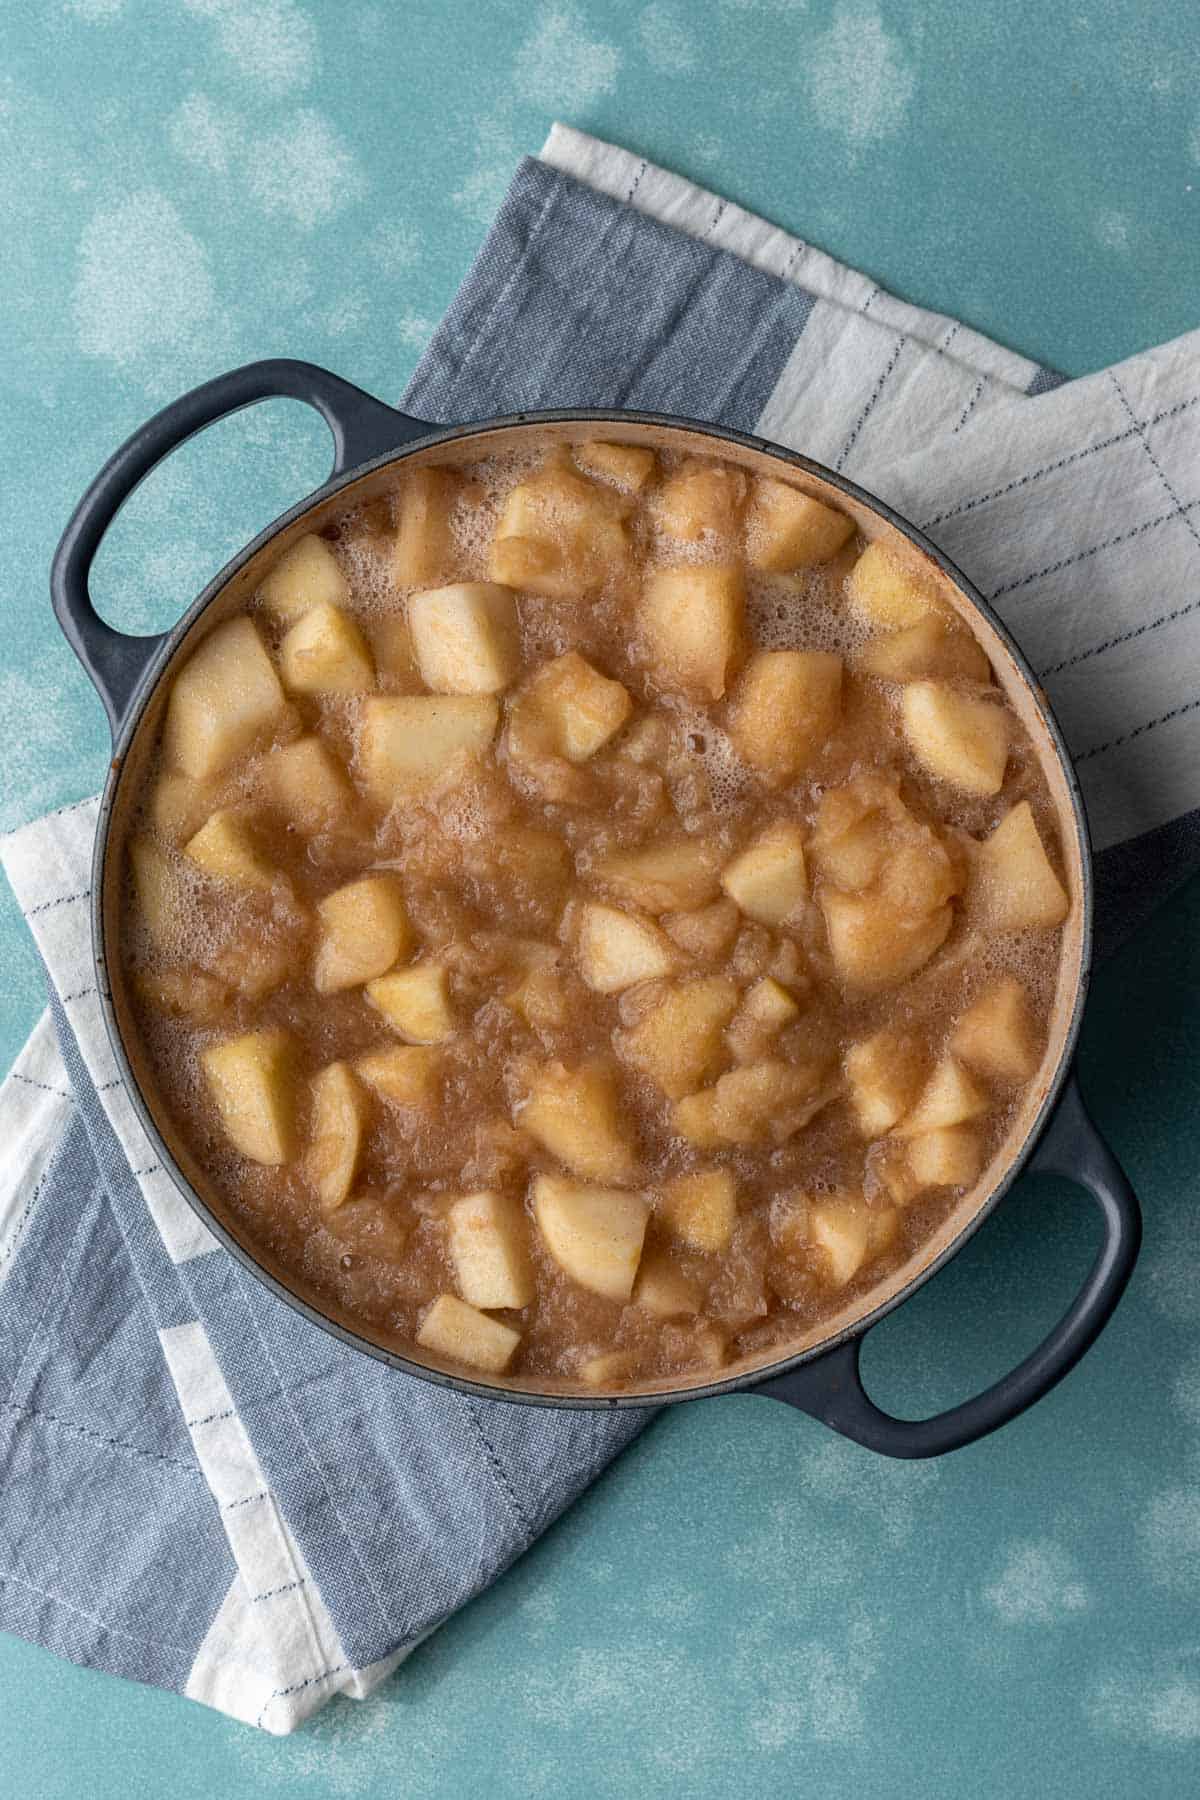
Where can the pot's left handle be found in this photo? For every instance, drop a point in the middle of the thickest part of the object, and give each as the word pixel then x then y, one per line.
pixel 362 428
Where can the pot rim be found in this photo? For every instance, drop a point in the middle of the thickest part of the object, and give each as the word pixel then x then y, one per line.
pixel 746 1380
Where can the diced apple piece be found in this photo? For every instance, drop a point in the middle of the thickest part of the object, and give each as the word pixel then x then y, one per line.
pixel 707 932
pixel 617 950
pixel 949 1157
pixel 179 806
pixel 884 1073
pixel 998 1034
pixel 326 653
pixel 252 1081
pixel 364 931
pixel 629 465
pixel 406 1074
pixel 608 1369
pixel 567 709
pixel 893 1170
pixel 307 783
pixel 486 1239
pixel 768 880
pixel 789 530
pixel 407 740
pixel 458 1332
pixel 395 658
pixel 679 1040
pixel 306 575
pixel 701 497
pixel 888 591
pixel 956 737
pixel 690 625
pixel 874 944
pixel 883 1229
pixel 224 699
pixel 784 708
pixel 255 963
pixel 662 878
pixel 225 847
pixel 560 535
pixel 1013 886
pixel 764 1102
pixel 933 646
pixel 842 1229
pixel 424 549
pixel 764 1012
pixel 370 1225
pixel 465 637
pixel 573 1114
pixel 161 897
pixel 695 1118
pixel 189 992
pixel 414 1002
pixel 339 1122
pixel 663 1290
pixel 700 1209
pixel 594 1234
pixel 540 998
pixel 950 1097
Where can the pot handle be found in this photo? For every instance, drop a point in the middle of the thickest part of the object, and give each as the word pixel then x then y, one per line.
pixel 362 428
pixel 831 1389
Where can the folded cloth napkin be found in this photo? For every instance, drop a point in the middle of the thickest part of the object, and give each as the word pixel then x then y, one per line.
pixel 201 1490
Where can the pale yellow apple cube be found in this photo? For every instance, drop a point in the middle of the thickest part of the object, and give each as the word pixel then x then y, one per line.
pixel 764 1012
pixel 950 1156
pixel 191 993
pixel 768 880
pixel 786 705
pixel 568 709
pixel 364 930
pixel 407 740
pixel 699 498
pixel 485 1235
pixel 594 1234
pixel 573 1114
pixel 955 736
pixel 842 1230
pixel 888 590
pixel 306 575
pixel 608 1369
pixel 424 547
pixel 392 647
pixel 179 805
pixel 225 847
pixel 465 637
pixel 884 1074
pixel 253 1085
pixel 690 626
pixel 788 530
pixel 1013 886
pixel 630 466
pixel 998 1035
pixel 161 896
pixel 616 950
pixel 679 1040
pixel 406 1074
pixel 307 784
pixel 560 535
pixel 459 1333
pixel 340 1113
pixel 662 878
pixel 225 699
pixel 415 1002
pixel 933 646
pixel 255 963
pixel 951 1096
pixel 875 945
pixel 326 653
pixel 700 1209
pixel 662 1289
pixel 707 932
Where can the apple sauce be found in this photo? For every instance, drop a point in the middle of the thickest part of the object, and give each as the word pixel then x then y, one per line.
pixel 592 913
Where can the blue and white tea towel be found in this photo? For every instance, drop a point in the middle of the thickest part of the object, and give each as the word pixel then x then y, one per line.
pixel 199 1489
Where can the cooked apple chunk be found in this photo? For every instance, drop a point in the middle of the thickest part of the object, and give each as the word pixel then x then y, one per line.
pixel 179 806
pixel 888 591
pixel 339 1122
pixel 783 710
pixel 1013 886
pixel 700 1209
pixel 308 785
pixel 573 1114
pixel 594 1234
pixel 161 896
pixel 414 1002
pixel 662 1289
pixel 950 1097
pixel 255 963
pixel 764 1012
pixel 617 950
pixel 424 548
pixel 253 1085
pixel 225 698
pixel 677 1042
pixel 485 1235
pixel 567 708
pixel 705 933
pixel 768 880
pixel 998 1035
pixel 701 498
pixel 765 1102
pixel 393 654
pixel 458 1332
pixel 560 535
pixel 607 1369
pixel 407 740
pixel 876 945
pixel 690 626
pixel 788 530
pixel 306 575
pixel 326 653
pixel 465 637
pixel 663 877
pixel 950 1156
pixel 956 737
pixel 188 993
pixel 841 1229
pixel 884 1074
pixel 364 930
pixel 933 646
pixel 629 465
pixel 406 1074
pixel 225 847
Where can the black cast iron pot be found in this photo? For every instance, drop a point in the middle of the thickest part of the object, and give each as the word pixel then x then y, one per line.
pixel 821 1374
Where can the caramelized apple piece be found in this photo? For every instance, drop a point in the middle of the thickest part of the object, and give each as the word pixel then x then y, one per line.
pixel 594 1234
pixel 663 1290
pixel 884 1073
pixel 561 535
pixel 364 930
pixel 663 877
pixel 764 1012
pixel 678 1041
pixel 424 548
pixel 700 498
pixel 573 1114
pixel 1013 886
pixel 459 1333
pixel 998 1034
pixel 225 847
pixel 414 1001
pixel 225 698
pixel 308 785
pixel 628 465
pixel 956 737
pixel 933 646
pixel 690 626
pixel 700 1209
pixel 706 933
pixel 486 1239
pixel 408 740
pixel 841 1229
pixel 307 575
pixel 616 950
pixel 465 637
pixel 874 944
pixel 326 653
pixel 950 1097
pixel 890 591
pixel 191 993
pixel 339 1122
pixel 161 898
pixel 950 1156
pixel 406 1074
pixel 252 1082
pixel 765 1102
pixel 784 708
pixel 789 530
pixel 768 880
pixel 179 805
pixel 567 708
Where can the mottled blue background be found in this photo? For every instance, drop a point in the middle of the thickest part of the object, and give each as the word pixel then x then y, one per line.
pixel 746 1605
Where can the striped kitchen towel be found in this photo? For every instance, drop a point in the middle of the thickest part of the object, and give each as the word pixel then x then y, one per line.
pixel 246 1511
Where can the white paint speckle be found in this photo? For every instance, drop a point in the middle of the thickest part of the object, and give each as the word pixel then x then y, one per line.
pixel 1155 1707
pixel 394 247
pixel 94 12
pixel 1038 1583
pixel 204 134
pixel 666 40
pixel 1112 231
pixel 838 1475
pixel 143 282
pixel 562 68
pixel 860 77
pixel 51 754
pixel 271 44
pixel 1168 1538
pixel 1185 1391
pixel 302 170
pixel 415 330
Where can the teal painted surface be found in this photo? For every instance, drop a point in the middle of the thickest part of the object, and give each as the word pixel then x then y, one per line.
pixel 746 1605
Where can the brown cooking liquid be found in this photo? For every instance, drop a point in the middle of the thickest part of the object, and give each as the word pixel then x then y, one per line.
pixel 489 905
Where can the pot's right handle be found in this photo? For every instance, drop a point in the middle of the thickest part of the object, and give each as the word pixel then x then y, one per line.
pixel 362 428
pixel 831 1389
